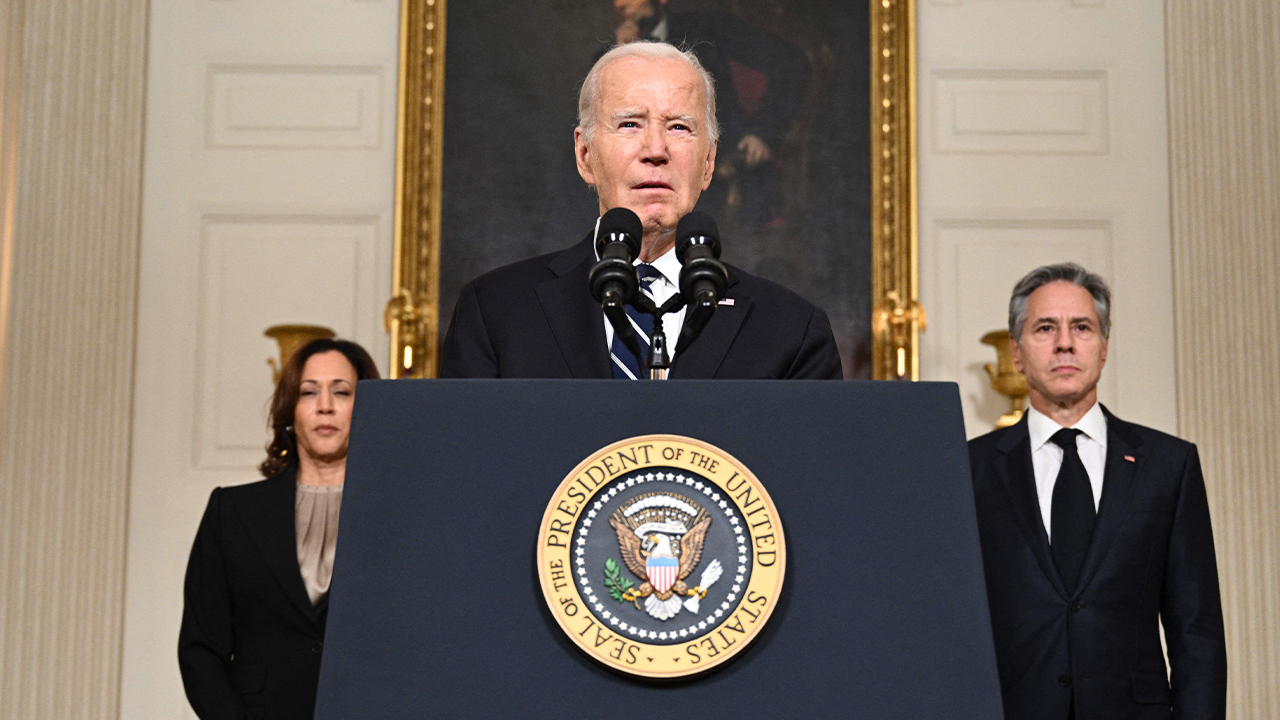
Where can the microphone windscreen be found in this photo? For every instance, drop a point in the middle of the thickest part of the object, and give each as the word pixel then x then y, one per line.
pixel 624 221
pixel 696 224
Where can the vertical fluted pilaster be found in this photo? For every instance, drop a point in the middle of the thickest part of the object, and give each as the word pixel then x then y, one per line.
pixel 1224 118
pixel 68 357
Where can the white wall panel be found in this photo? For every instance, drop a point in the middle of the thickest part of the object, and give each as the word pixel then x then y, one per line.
pixel 294 106
pixel 249 282
pixel 1020 111
pixel 1076 3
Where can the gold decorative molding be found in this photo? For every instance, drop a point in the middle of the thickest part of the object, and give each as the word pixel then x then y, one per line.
pixel 413 313
pixel 1005 378
pixel 290 338
pixel 898 319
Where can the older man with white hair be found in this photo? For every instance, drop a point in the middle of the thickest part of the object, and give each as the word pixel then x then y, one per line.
pixel 646 140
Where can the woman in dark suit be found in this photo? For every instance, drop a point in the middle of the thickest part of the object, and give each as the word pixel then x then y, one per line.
pixel 257 583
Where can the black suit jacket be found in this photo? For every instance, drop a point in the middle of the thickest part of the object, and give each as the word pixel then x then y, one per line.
pixel 1150 560
pixel 536 319
pixel 250 641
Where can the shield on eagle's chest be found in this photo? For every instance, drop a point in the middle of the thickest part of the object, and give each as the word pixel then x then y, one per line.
pixel 662 571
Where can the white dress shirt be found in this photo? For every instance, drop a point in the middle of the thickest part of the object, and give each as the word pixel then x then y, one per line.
pixel 663 287
pixel 1046 457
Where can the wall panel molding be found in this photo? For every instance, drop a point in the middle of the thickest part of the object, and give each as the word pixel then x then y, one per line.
pixel 1073 3
pixel 68 383
pixel 1224 138
pixel 1043 112
pixel 294 106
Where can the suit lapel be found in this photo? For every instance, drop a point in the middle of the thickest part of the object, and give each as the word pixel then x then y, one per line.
pixel 271 527
pixel 1118 482
pixel 576 321
pixel 1016 475
pixel 703 358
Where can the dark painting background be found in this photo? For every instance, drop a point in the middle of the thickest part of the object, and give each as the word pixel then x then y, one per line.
pixel 511 190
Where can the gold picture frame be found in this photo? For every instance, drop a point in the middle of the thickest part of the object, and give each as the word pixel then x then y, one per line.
pixel 413 313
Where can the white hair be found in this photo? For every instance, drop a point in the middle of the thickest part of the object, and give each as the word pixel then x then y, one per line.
pixel 652 50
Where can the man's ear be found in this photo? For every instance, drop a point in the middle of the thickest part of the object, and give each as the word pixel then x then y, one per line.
pixel 1103 359
pixel 582 156
pixel 1016 350
pixel 710 170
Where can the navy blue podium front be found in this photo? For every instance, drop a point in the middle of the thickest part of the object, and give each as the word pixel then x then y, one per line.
pixel 436 608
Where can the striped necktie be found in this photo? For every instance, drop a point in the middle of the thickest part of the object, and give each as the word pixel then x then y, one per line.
pixel 625 365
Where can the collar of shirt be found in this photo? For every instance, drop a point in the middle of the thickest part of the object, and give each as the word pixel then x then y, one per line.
pixel 1041 428
pixel 1046 457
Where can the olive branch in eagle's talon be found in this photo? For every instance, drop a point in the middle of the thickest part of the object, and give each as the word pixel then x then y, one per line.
pixel 619 586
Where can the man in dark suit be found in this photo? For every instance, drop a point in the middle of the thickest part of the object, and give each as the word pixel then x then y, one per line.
pixel 1094 532
pixel 646 140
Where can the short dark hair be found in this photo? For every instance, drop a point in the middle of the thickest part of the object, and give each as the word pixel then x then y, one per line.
pixel 282 451
pixel 1067 272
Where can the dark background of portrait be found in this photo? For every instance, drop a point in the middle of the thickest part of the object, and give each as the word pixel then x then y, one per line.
pixel 511 190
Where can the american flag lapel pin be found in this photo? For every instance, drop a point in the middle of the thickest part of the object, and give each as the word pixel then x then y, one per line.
pixel 1130 458
pixel 726 301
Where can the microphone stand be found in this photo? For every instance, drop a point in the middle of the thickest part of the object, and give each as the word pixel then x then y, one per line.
pixel 659 360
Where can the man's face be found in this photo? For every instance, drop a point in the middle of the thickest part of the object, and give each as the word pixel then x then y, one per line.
pixel 650 151
pixel 1062 350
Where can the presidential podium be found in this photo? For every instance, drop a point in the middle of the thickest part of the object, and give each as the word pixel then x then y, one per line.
pixel 437 607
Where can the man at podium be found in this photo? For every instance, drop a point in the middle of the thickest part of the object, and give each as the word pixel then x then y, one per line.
pixel 1094 532
pixel 646 140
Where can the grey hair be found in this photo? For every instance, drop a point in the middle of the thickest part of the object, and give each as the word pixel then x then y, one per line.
pixel 1068 272
pixel 652 50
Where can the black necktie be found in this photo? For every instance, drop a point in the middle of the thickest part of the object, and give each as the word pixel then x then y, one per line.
pixel 625 365
pixel 1072 514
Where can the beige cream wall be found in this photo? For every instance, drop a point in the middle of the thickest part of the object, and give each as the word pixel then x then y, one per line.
pixel 1224 135
pixel 68 363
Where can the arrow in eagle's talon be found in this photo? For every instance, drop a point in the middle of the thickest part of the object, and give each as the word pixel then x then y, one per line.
pixel 709 576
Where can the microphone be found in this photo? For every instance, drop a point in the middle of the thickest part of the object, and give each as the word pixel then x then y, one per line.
pixel 703 279
pixel 614 280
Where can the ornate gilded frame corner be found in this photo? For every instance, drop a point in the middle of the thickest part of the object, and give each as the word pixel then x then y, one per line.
pixel 413 312
pixel 898 319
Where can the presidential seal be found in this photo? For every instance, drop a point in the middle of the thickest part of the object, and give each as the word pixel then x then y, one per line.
pixel 661 556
